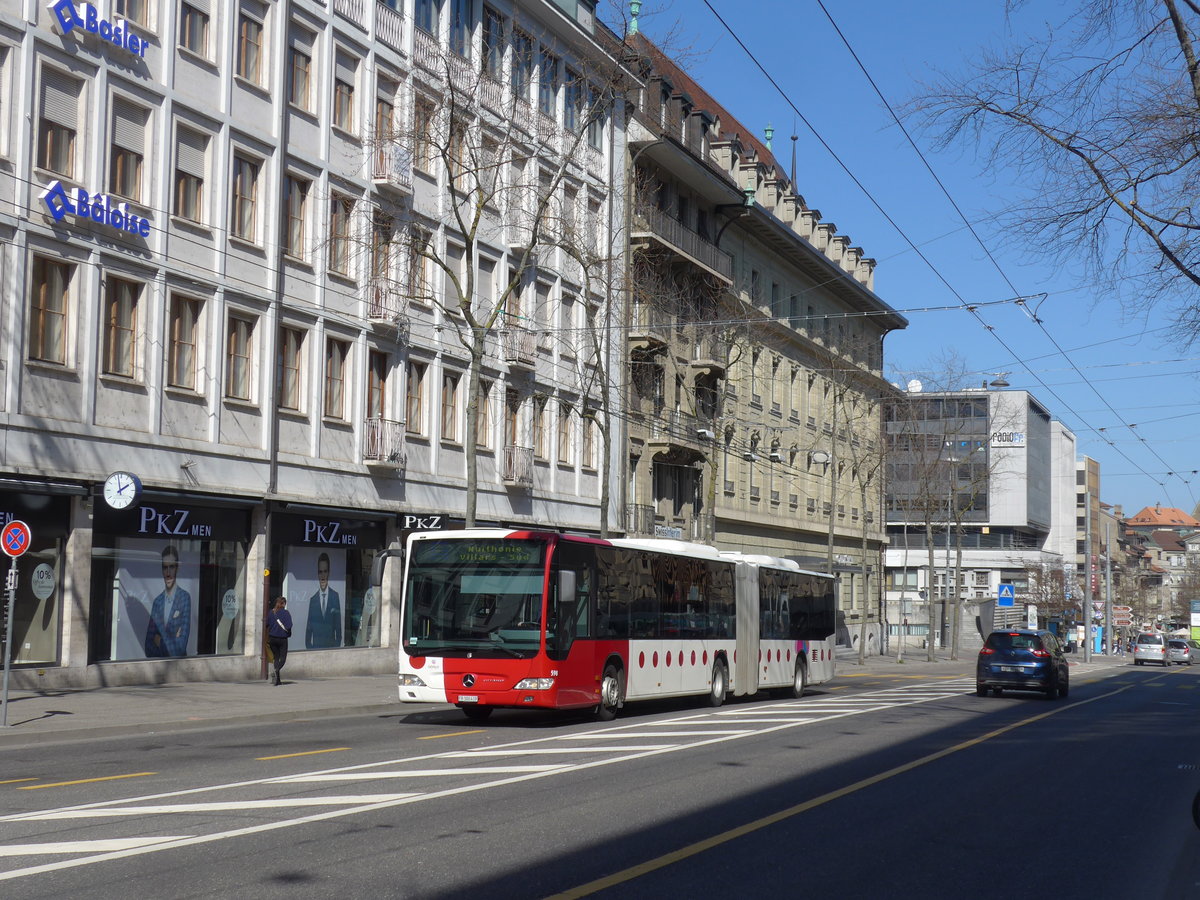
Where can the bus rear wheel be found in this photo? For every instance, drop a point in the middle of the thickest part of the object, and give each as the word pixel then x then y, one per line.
pixel 476 713
pixel 720 684
pixel 610 694
pixel 800 682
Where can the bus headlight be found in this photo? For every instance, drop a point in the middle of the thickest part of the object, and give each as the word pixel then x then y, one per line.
pixel 410 680
pixel 534 684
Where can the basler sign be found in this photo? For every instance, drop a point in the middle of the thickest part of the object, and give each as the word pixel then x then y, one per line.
pixel 86 19
pixel 99 208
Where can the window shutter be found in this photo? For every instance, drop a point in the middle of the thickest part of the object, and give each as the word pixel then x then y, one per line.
pixel 129 126
pixel 201 6
pixel 189 152
pixel 346 68
pixel 60 99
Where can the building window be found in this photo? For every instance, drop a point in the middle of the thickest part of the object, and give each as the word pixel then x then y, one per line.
pixel 540 450
pixel 483 415
pixel 522 65
pixel 300 79
pixel 336 353
pixel 249 49
pixel 181 359
pixel 341 210
pixel 587 452
pixel 385 135
pixel 564 433
pixel 345 75
pixel 133 10
pixel 377 372
pixel 460 27
pixel 426 14
pixel 595 123
pixel 191 148
pixel 414 394
pixel 512 418
pixel 58 123
pixel 418 266
pixel 493 43
pixel 291 357
pixel 548 84
pixel 239 349
pixel 193 30
pixel 424 145
pixel 382 235
pixel 573 101
pixel 297 201
pixel 450 382
pixel 121 299
pixel 245 191
pixel 128 147
pixel 48 311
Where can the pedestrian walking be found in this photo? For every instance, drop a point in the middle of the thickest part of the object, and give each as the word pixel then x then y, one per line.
pixel 279 630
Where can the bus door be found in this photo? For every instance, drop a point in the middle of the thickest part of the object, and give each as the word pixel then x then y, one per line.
pixel 571 607
pixel 745 676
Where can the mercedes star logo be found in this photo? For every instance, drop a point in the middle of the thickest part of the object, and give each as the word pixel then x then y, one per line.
pixel 468 680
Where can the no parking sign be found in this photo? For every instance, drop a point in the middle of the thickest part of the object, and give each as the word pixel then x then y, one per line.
pixel 15 538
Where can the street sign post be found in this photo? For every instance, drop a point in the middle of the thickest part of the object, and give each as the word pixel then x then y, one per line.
pixel 1006 596
pixel 15 539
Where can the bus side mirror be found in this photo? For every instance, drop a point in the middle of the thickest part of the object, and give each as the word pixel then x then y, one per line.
pixel 381 559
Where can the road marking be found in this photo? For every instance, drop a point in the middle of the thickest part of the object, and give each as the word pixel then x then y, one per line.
pixel 652 865
pixel 17 780
pixel 219 806
pixel 37 787
pixel 305 753
pixel 434 737
pixel 414 773
pixel 471 754
pixel 104 846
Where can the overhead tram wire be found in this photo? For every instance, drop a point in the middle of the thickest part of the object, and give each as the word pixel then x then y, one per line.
pixel 941 185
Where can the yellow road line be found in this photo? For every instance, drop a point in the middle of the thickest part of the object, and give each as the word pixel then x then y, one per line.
pixel 304 753
pixel 431 737
pixel 37 787
pixel 652 865
pixel 17 780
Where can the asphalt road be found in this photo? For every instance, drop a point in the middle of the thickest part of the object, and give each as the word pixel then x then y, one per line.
pixel 895 786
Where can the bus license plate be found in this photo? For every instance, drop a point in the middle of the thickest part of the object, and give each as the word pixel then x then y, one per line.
pixel 468 698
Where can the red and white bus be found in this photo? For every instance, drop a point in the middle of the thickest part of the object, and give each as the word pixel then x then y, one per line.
pixel 502 618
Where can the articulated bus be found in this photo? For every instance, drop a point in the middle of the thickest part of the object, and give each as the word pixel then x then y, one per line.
pixel 501 618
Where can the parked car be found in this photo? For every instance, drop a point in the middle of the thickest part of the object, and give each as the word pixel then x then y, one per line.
pixel 1022 660
pixel 1183 651
pixel 1150 647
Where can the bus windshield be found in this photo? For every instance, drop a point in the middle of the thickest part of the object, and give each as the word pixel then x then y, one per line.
pixel 481 596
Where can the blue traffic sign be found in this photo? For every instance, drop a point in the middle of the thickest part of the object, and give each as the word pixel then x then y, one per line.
pixel 1006 595
pixel 15 538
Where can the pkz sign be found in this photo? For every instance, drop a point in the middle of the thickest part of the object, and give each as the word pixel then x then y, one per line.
pixel 98 208
pixel 86 18
pixel 1009 439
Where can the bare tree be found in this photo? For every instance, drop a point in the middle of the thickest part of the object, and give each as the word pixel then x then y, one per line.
pixel 1099 119
pixel 505 170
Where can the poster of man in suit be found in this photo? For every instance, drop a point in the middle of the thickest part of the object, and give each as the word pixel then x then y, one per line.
pixel 316 601
pixel 154 615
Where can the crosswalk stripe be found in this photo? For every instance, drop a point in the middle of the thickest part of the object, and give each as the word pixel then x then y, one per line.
pixel 220 806
pixel 102 846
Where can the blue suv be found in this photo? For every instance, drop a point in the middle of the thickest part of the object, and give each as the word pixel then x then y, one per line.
pixel 1022 660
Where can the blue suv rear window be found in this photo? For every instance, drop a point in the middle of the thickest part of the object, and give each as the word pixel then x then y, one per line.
pixel 1004 641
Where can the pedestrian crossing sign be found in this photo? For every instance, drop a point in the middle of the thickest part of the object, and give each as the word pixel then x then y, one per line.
pixel 1006 595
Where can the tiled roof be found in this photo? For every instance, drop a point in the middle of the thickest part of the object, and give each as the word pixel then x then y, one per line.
pixel 1163 516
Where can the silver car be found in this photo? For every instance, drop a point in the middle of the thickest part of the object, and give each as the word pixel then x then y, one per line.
pixel 1183 651
pixel 1149 647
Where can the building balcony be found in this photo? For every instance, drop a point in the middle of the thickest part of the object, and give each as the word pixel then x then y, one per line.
pixel 518 466
pixel 678 430
pixel 383 443
pixel 520 346
pixel 353 10
pixel 710 355
pixel 392 165
pixel 639 519
pixel 649 330
pixel 654 224
pixel 389 25
pixel 386 303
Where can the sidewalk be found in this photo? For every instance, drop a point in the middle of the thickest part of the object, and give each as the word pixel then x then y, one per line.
pixel 38 716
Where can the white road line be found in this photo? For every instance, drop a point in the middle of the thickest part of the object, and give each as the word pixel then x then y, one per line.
pixel 105 846
pixel 728 732
pixel 468 754
pixel 223 806
pixel 415 773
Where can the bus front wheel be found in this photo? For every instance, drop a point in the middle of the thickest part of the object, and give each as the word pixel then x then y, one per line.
pixel 610 694
pixel 800 681
pixel 720 684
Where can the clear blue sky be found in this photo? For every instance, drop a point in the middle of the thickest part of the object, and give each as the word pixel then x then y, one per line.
pixel 1130 374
